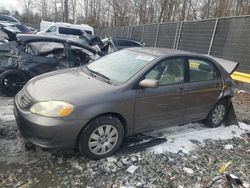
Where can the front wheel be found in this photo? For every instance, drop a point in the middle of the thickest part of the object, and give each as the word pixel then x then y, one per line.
pixel 217 115
pixel 101 138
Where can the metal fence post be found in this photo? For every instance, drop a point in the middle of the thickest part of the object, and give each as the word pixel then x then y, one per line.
pixel 176 34
pixel 142 33
pixel 157 33
pixel 122 31
pixel 179 35
pixel 131 31
pixel 212 38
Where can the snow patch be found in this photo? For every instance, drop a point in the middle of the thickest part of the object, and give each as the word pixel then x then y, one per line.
pixel 188 136
pixel 228 146
pixel 244 126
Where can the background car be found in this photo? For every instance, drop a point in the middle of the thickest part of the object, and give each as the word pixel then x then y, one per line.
pixel 32 55
pixel 112 44
pixel 58 28
pixel 124 93
pixel 9 19
pixel 10 27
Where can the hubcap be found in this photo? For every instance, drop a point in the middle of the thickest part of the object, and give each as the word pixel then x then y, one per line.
pixel 218 114
pixel 103 139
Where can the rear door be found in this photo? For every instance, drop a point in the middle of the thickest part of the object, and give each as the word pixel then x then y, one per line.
pixel 165 105
pixel 204 87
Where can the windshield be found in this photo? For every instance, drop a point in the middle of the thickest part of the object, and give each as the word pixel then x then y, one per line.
pixel 120 66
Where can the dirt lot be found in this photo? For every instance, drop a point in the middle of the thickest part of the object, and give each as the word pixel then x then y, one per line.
pixel 190 157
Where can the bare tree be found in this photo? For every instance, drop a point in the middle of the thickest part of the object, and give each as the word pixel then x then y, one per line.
pixel 109 13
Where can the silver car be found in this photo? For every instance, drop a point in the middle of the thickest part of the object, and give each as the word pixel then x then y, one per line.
pixel 94 107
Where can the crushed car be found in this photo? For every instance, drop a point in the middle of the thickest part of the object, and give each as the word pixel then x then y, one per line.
pixel 32 55
pixel 95 107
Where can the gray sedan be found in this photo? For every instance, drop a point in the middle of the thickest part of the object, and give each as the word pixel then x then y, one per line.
pixel 94 107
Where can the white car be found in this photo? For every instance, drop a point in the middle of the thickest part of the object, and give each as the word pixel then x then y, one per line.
pixel 59 28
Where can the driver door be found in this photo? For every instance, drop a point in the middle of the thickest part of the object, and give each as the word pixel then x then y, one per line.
pixel 165 105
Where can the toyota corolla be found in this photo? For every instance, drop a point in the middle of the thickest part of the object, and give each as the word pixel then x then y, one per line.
pixel 94 107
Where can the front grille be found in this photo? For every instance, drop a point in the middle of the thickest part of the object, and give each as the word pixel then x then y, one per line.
pixel 24 100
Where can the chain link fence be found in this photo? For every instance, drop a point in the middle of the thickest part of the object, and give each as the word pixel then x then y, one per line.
pixel 227 38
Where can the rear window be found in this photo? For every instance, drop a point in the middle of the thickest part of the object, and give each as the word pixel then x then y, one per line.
pixel 70 31
pixel 126 43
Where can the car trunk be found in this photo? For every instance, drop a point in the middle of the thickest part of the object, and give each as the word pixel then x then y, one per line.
pixel 229 66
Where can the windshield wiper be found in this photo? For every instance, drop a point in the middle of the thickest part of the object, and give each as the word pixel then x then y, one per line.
pixel 95 73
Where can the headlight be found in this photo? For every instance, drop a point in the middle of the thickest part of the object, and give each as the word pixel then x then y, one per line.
pixel 52 108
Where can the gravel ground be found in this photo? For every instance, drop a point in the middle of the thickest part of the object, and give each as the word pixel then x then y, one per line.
pixel 33 167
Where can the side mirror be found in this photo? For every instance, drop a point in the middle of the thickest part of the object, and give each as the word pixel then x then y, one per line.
pixel 149 83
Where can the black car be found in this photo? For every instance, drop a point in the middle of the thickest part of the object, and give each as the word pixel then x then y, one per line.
pixel 112 44
pixel 32 55
pixel 7 18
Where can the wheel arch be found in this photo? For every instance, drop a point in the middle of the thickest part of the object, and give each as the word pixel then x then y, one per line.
pixel 111 114
pixel 226 97
pixel 16 71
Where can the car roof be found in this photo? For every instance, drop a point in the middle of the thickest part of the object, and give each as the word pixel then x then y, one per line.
pixel 229 66
pixel 25 38
pixel 11 17
pixel 161 52
pixel 32 37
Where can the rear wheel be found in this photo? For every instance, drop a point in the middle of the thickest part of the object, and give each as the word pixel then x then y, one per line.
pixel 101 138
pixel 217 115
pixel 11 82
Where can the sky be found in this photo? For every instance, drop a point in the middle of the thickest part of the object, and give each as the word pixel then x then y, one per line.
pixel 10 5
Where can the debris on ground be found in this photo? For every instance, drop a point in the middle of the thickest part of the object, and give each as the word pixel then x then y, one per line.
pixel 190 156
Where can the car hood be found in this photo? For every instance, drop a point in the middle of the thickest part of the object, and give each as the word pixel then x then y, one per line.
pixel 70 85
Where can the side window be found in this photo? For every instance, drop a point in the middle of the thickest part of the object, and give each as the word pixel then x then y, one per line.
pixel 51 29
pixel 201 71
pixel 168 72
pixel 70 31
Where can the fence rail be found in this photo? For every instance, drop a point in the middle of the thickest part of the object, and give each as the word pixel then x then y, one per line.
pixel 227 38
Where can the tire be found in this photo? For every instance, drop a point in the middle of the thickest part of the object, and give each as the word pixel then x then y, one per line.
pixel 12 81
pixel 217 115
pixel 101 138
